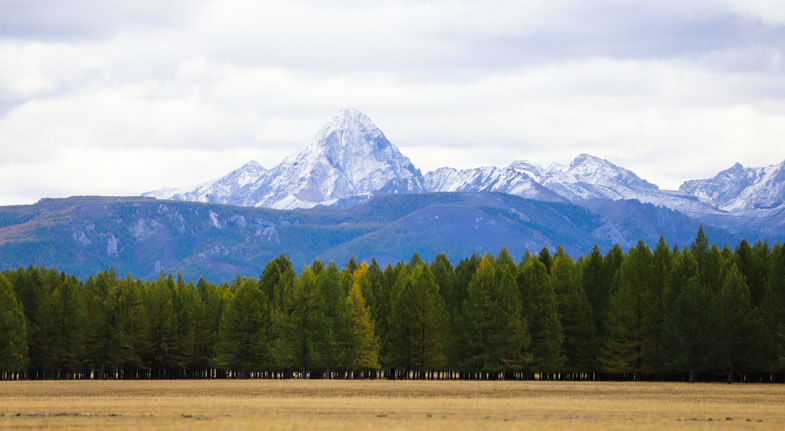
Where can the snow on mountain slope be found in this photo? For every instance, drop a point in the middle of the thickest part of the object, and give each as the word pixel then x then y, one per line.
pixel 228 189
pixel 488 179
pixel 742 190
pixel 349 156
pixel 590 177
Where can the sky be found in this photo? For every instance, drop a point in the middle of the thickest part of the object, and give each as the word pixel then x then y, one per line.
pixel 122 97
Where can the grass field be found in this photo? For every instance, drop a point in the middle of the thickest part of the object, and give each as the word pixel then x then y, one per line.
pixel 380 405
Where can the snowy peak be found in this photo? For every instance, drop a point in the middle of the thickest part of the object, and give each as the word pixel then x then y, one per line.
pixel 349 156
pixel 592 169
pixel 741 189
pixel 488 179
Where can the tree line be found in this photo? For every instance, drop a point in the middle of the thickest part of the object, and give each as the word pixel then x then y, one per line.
pixel 698 312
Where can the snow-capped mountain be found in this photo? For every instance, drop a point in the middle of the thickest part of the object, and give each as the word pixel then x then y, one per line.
pixel 586 178
pixel 348 157
pixel 590 177
pixel 488 179
pixel 229 189
pixel 740 189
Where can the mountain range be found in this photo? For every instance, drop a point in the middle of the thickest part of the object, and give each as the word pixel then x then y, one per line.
pixel 351 192
pixel 350 159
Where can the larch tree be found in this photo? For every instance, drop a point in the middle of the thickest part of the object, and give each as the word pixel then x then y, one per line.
pixel 366 351
pixel 13 335
pixel 576 316
pixel 245 330
pixel 541 313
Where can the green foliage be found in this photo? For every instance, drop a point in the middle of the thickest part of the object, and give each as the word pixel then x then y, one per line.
pixel 338 338
pixel 13 337
pixel 495 338
pixel 366 355
pixel 634 342
pixel 580 343
pixel 541 314
pixel 245 330
pixel 300 326
pixel 418 322
pixel 700 312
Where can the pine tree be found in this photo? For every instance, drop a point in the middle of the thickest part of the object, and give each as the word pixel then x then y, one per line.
pixel 419 322
pixel 772 308
pixel 300 330
pixel 596 287
pixel 540 311
pixel 633 345
pixel 545 258
pixel 687 327
pixel 366 349
pixel 160 332
pixel 337 344
pixel 495 338
pixel 576 318
pixel 13 335
pixel 245 330
pixel 752 265
pixel 68 324
pixel 735 325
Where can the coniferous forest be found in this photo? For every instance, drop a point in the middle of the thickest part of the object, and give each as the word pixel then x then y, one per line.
pixel 695 313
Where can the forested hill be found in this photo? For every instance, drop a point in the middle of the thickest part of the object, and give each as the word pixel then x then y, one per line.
pixel 144 236
pixel 696 313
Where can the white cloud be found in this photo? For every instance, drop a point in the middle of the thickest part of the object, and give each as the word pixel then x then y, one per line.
pixel 669 90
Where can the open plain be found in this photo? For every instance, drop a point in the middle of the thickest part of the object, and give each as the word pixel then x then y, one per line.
pixel 380 405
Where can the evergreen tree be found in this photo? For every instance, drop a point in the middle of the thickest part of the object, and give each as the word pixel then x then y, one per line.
pixel 633 345
pixel 687 327
pixel 338 341
pixel 752 265
pixel 540 311
pixel 366 355
pixel 772 308
pixel 300 330
pixel 495 338
pixel 68 322
pixel 545 258
pixel 596 287
pixel 160 342
pixel 735 325
pixel 576 318
pixel 245 330
pixel 419 322
pixel 13 336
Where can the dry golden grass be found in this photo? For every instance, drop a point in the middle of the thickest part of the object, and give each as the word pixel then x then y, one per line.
pixel 379 405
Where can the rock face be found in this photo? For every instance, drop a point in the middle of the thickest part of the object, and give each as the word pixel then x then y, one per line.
pixel 348 157
pixel 350 160
pixel 740 189
pixel 489 179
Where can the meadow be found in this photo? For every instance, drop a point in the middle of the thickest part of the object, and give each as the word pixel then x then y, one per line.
pixel 381 405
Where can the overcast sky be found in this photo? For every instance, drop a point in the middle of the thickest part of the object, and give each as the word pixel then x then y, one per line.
pixel 122 97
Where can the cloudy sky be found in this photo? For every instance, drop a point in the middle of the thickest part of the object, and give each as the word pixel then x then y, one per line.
pixel 122 97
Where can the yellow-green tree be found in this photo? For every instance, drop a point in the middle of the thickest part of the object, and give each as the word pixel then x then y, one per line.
pixel 366 355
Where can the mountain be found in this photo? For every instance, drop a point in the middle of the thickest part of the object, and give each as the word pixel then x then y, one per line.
pixel 742 190
pixel 349 156
pixel 143 236
pixel 488 179
pixel 350 160
pixel 586 178
pixel 228 189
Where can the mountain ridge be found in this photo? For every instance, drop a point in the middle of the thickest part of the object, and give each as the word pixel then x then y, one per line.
pixel 350 159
